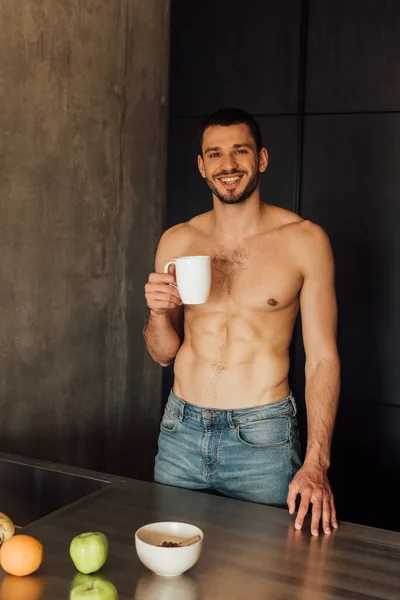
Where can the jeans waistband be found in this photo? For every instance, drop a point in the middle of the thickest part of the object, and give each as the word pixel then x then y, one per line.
pixel 181 409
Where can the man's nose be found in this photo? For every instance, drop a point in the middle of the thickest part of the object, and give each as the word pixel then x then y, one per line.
pixel 229 162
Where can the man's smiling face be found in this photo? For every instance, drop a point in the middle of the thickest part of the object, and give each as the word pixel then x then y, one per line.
pixel 230 163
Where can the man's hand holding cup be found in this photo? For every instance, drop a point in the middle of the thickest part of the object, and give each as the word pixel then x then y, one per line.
pixel 161 292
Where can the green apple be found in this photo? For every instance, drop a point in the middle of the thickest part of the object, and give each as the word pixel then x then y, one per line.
pixel 92 587
pixel 89 551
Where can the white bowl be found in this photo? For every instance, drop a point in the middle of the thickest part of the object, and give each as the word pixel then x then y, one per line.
pixel 168 562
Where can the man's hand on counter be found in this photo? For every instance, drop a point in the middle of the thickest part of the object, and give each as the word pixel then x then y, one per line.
pixel 312 484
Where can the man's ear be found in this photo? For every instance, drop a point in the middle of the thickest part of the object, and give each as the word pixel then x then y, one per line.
pixel 200 164
pixel 263 160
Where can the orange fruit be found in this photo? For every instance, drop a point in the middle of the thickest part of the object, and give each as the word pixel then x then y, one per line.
pixel 21 588
pixel 21 555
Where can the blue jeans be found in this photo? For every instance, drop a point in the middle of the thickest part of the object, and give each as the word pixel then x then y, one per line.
pixel 251 454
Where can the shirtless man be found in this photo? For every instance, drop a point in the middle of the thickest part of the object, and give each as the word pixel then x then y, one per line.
pixel 230 421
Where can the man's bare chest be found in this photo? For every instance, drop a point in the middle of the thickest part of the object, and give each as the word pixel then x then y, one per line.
pixel 261 278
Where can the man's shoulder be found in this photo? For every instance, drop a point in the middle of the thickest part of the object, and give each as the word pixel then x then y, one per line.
pixel 281 218
pixel 186 229
pixel 282 214
pixel 312 235
pixel 309 245
pixel 306 240
pixel 174 232
pixel 298 228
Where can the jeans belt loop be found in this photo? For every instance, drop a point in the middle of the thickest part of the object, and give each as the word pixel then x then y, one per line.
pixel 293 401
pixel 181 411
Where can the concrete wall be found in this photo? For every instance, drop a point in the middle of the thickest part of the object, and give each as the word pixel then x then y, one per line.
pixel 83 88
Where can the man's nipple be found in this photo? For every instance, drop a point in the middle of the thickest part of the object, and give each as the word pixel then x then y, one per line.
pixel 272 301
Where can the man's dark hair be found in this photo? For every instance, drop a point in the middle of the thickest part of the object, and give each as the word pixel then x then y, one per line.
pixel 232 116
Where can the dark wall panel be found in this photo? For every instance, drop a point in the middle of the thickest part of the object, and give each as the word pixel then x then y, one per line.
pixel 365 464
pixel 228 53
pixel 188 194
pixel 351 187
pixel 353 56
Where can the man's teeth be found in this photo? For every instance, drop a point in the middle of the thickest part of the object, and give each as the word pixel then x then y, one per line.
pixel 230 179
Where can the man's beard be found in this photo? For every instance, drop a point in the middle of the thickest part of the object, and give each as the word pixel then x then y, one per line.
pixel 230 196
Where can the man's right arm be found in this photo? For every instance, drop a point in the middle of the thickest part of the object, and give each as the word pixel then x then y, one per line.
pixel 162 339
pixel 163 332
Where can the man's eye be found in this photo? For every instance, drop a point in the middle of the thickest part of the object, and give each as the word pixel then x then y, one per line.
pixel 214 155
pixel 242 152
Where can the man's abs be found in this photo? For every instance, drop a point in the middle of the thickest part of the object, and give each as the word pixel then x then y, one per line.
pixel 233 361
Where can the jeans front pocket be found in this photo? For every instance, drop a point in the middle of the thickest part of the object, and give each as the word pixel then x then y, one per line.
pixel 169 422
pixel 264 433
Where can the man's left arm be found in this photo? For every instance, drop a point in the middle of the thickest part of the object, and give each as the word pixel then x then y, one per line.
pixel 319 323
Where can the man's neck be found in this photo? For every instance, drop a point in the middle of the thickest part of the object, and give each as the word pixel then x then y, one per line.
pixel 238 220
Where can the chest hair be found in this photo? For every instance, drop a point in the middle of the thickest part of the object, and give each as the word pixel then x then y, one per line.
pixel 227 265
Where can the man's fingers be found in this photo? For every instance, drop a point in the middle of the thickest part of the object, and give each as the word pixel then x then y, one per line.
pixel 333 514
pixel 326 514
pixel 162 288
pixel 291 499
pixel 162 278
pixel 167 299
pixel 303 509
pixel 153 290
pixel 165 304
pixel 312 486
pixel 317 502
pixel 316 517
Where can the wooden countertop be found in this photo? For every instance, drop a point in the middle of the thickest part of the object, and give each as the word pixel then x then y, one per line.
pixel 250 551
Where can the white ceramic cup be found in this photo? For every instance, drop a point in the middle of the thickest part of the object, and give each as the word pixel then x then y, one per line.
pixel 193 278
